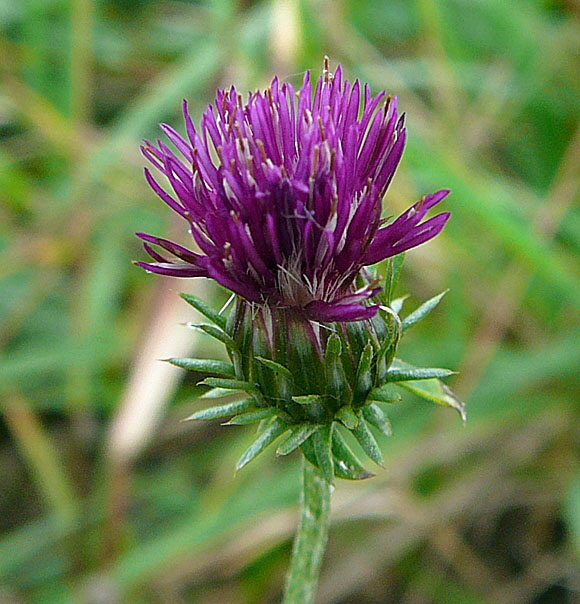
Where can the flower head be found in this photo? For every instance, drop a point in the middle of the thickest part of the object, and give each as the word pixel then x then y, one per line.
pixel 283 194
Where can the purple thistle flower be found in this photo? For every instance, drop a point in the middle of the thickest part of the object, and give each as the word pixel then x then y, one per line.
pixel 284 196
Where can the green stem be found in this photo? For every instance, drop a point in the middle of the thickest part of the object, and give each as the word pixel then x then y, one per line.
pixel 310 540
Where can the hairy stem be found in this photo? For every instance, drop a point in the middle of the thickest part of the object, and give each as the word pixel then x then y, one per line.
pixel 310 540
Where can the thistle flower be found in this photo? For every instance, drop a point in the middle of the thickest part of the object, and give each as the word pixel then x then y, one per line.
pixel 283 196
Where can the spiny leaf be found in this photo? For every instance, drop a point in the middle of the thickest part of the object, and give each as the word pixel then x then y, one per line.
pixel 251 417
pixel 397 304
pixel 215 332
pixel 268 436
pixel 395 374
pixel 384 394
pixel 421 312
pixel 437 392
pixel 309 399
pixel 307 448
pixel 321 441
pixel 205 310
pixel 346 463
pixel 216 393
pixel 376 416
pixel 223 384
pixel 364 378
pixel 227 384
pixel 203 365
pixel 368 442
pixel 388 347
pixel 222 411
pixel 276 367
pixel 393 271
pixel 337 387
pixel 347 417
pixel 297 436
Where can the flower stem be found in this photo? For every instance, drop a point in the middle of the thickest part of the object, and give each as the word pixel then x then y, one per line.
pixel 310 540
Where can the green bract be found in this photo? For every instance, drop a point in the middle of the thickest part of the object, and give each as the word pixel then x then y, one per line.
pixel 306 383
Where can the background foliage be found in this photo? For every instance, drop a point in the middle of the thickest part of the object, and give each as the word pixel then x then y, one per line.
pixel 106 496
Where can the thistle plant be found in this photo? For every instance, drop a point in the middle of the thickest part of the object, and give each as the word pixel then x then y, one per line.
pixel 282 194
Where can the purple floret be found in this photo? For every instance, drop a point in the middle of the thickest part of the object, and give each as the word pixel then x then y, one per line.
pixel 283 195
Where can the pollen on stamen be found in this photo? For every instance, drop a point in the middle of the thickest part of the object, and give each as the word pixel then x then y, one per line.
pixel 326 73
pixel 151 149
pixel 240 137
pixel 332 159
pixel 321 128
pixel 262 150
pixel 315 157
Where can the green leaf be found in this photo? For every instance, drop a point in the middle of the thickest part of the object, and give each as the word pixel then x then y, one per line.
pixel 384 394
pixel 397 304
pixel 224 384
pixel 388 347
pixel 216 393
pixel 337 387
pixel 346 463
pixel 215 332
pixel 321 441
pixel 267 437
pixel 203 365
pixel 297 436
pixel 227 384
pixel 205 310
pixel 222 411
pixel 368 442
pixel 276 367
pixel 307 448
pixel 309 399
pixel 364 377
pixel 421 312
pixel 251 417
pixel 376 416
pixel 436 392
pixel 394 266
pixel 416 373
pixel 347 417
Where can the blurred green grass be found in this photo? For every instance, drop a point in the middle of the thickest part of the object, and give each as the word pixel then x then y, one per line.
pixel 89 511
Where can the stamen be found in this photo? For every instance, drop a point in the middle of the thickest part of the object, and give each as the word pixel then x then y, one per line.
pixel 240 137
pixel 153 152
pixel 315 156
pixel 334 204
pixel 327 75
pixel 321 128
pixel 388 103
pixel 262 150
